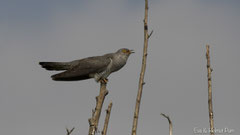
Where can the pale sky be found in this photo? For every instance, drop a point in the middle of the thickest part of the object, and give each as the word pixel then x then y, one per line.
pixel 176 76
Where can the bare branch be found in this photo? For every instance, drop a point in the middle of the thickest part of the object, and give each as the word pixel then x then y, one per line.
pixel 141 78
pixel 210 106
pixel 108 112
pixel 93 122
pixel 69 131
pixel 170 123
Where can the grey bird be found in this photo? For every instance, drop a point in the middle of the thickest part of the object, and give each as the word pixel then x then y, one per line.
pixel 97 67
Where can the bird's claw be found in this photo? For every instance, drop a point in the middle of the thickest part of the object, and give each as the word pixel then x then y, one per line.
pixel 105 80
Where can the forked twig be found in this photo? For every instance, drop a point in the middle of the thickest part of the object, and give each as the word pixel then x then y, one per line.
pixel 69 131
pixel 94 120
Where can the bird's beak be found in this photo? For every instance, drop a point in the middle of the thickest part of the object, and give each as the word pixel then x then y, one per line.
pixel 132 51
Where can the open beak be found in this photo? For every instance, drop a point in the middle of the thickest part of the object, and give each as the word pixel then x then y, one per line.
pixel 132 51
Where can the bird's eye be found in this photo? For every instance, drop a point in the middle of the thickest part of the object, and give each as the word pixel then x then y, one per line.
pixel 124 51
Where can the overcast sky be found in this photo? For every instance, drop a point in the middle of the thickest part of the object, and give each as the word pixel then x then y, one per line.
pixel 176 76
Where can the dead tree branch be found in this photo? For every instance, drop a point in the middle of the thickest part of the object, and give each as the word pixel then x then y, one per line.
pixel 141 79
pixel 93 122
pixel 170 123
pixel 108 112
pixel 210 106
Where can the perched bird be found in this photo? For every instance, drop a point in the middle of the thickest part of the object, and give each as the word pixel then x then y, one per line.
pixel 97 67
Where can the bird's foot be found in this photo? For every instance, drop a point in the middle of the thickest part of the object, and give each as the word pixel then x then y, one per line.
pixel 105 80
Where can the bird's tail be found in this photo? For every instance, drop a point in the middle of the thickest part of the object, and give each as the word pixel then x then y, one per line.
pixel 55 65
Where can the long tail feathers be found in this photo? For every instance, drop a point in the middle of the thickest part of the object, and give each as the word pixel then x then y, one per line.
pixel 55 65
pixel 64 77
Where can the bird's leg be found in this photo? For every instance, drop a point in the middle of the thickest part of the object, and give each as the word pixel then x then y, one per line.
pixel 105 80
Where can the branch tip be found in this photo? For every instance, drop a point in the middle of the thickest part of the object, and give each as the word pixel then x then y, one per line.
pixel 150 34
pixel 69 131
pixel 169 121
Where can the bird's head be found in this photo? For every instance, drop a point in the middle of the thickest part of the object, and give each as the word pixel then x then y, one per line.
pixel 125 51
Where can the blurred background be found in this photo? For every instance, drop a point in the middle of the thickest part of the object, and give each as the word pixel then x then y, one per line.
pixel 176 75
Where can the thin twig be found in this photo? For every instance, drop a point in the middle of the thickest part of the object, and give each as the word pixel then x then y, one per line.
pixel 141 78
pixel 170 123
pixel 108 112
pixel 93 122
pixel 69 131
pixel 210 106
pixel 150 34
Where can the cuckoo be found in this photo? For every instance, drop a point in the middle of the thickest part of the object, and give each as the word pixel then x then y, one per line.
pixel 97 67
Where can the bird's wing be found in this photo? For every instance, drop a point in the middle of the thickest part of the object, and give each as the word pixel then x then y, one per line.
pixel 82 68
